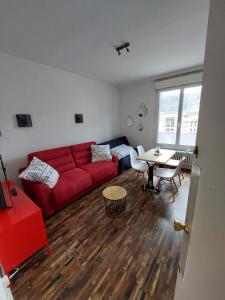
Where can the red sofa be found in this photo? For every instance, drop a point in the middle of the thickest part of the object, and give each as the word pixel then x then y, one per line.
pixel 77 176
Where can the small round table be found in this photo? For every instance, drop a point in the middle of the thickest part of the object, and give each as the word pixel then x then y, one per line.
pixel 115 201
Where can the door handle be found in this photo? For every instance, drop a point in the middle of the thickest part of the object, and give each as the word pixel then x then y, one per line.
pixel 195 152
pixel 179 226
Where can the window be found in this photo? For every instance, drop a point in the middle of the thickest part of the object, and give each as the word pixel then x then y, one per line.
pixel 178 116
pixel 170 124
pixel 193 126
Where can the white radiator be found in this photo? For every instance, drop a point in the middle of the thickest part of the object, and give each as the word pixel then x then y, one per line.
pixel 188 158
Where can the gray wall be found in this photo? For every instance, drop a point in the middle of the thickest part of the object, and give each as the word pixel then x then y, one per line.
pixel 130 99
pixel 52 97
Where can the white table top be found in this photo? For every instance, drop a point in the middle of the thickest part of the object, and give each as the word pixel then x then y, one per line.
pixel 164 156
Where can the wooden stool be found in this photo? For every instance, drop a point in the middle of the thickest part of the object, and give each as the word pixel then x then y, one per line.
pixel 115 201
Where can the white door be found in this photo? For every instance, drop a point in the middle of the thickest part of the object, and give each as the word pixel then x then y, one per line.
pixel 193 191
pixel 5 292
pixel 195 174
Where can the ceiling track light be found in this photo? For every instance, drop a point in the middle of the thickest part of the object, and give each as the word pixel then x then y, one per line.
pixel 124 46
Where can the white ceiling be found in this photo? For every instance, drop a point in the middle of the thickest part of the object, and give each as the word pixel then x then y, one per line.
pixel 80 35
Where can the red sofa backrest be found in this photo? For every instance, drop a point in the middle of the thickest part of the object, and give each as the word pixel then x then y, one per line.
pixel 59 158
pixel 82 153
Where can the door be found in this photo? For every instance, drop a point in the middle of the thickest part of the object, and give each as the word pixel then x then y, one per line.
pixel 193 191
pixel 195 174
pixel 5 292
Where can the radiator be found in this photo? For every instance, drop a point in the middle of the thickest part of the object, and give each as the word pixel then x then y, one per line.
pixel 188 158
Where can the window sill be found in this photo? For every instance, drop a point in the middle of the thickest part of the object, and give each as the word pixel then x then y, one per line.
pixel 176 147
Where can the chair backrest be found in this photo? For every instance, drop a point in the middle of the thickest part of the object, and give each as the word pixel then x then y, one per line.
pixel 133 158
pixel 185 155
pixel 181 163
pixel 141 150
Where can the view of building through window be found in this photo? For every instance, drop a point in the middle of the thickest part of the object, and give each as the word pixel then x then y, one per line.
pixel 178 115
pixel 190 111
pixel 168 116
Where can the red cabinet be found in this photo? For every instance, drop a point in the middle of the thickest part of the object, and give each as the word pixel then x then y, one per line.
pixel 22 230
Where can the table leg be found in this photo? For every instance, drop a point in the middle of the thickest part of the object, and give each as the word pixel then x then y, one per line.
pixel 150 179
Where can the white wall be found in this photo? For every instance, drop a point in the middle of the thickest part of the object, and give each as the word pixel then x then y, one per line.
pixel 52 97
pixel 205 269
pixel 130 99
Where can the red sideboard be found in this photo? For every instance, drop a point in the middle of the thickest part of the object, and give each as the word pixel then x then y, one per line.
pixel 22 230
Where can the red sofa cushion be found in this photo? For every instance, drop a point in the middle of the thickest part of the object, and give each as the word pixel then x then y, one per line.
pixel 82 153
pixel 71 184
pixel 100 170
pixel 59 158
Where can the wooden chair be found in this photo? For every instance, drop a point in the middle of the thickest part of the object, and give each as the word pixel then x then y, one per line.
pixel 169 175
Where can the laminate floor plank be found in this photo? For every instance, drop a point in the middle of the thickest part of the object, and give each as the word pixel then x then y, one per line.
pixel 96 257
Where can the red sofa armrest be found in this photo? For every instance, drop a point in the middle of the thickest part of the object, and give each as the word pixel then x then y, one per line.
pixel 41 194
pixel 22 169
pixel 115 160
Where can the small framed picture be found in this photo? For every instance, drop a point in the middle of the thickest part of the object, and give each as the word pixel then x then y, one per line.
pixel 79 118
pixel 24 120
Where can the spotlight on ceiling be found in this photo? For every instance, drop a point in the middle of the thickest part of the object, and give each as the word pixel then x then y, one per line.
pixel 124 46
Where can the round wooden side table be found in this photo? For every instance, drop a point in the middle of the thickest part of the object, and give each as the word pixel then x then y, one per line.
pixel 115 198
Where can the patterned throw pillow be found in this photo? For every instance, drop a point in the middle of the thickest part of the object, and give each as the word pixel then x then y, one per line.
pixel 100 153
pixel 40 171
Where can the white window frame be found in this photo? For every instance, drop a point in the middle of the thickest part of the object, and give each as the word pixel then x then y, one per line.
pixel 175 146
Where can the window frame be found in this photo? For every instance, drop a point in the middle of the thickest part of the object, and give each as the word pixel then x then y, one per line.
pixel 175 146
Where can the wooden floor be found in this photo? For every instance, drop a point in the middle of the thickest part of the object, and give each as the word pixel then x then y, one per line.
pixel 94 257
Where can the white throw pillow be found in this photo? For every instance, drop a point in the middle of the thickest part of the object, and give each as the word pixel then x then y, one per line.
pixel 100 153
pixel 121 150
pixel 39 171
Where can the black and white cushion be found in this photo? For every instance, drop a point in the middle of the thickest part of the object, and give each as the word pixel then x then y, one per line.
pixel 100 153
pixel 39 171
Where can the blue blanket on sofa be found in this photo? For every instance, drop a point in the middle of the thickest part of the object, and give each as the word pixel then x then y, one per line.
pixel 124 163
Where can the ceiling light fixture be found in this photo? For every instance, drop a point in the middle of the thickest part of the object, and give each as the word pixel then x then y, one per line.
pixel 124 46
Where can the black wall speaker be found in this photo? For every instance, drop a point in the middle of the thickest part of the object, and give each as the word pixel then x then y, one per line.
pixel 24 120
pixel 79 118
